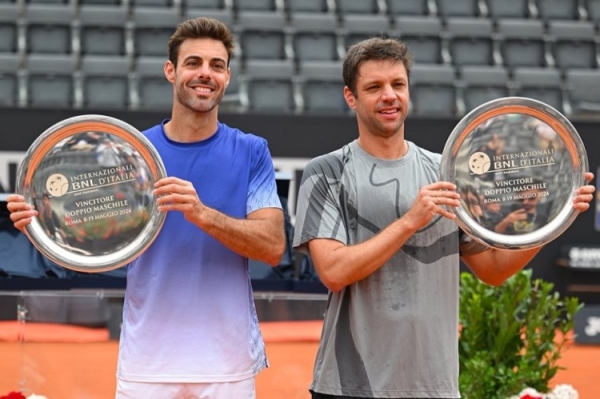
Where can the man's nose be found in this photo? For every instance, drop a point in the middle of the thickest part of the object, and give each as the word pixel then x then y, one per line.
pixel 388 93
pixel 204 71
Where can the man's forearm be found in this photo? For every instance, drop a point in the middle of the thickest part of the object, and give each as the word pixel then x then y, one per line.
pixel 260 237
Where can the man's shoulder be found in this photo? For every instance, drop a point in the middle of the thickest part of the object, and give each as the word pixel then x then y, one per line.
pixel 425 153
pixel 234 131
pixel 332 160
pixel 238 134
pixel 427 157
pixel 153 131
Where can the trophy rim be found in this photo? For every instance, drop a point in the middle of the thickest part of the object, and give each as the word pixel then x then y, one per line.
pixel 40 148
pixel 575 148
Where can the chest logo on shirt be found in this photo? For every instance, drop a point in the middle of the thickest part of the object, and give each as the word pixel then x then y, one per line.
pixel 424 253
pixel 403 200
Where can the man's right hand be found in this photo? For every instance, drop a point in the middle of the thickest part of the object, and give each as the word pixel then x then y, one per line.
pixel 432 200
pixel 21 213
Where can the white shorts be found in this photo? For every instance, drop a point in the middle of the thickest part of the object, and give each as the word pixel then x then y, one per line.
pixel 244 389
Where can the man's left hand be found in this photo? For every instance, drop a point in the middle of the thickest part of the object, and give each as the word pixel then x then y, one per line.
pixel 585 194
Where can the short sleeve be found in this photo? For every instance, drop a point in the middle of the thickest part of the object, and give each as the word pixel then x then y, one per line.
pixel 318 212
pixel 262 190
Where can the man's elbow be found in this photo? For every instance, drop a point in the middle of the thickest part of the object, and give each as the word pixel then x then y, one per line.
pixel 333 287
pixel 493 280
pixel 274 256
pixel 494 283
pixel 333 284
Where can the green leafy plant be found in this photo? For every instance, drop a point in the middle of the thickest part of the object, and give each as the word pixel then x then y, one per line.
pixel 511 336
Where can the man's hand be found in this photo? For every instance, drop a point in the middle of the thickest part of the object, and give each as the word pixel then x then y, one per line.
pixel 21 213
pixel 178 195
pixel 585 194
pixel 431 201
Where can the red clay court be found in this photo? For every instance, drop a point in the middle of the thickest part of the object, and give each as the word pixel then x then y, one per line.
pixel 65 362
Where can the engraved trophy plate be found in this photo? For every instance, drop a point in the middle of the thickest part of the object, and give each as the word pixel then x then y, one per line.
pixel 91 179
pixel 517 163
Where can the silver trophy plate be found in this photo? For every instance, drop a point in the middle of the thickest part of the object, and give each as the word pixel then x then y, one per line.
pixel 517 163
pixel 91 179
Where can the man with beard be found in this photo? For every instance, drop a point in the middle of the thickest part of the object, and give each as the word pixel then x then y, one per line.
pixel 190 328
pixel 373 216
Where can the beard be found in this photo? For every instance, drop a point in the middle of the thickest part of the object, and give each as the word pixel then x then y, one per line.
pixel 384 129
pixel 378 126
pixel 193 103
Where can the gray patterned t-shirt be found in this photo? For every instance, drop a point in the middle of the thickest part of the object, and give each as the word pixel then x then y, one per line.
pixel 393 334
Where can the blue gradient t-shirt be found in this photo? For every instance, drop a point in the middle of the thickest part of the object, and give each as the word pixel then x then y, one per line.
pixel 189 313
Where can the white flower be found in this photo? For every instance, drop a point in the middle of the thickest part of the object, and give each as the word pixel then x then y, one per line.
pixel 562 391
pixel 34 396
pixel 565 391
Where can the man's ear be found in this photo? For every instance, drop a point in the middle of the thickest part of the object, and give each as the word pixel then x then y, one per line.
pixel 169 71
pixel 228 77
pixel 349 96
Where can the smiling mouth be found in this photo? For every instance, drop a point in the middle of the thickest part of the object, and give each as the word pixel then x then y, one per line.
pixel 203 90
pixel 389 111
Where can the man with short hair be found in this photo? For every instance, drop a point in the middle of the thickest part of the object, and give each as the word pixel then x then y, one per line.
pixel 190 328
pixel 373 216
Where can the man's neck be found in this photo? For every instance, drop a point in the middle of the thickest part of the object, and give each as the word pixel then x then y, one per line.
pixel 394 147
pixel 188 126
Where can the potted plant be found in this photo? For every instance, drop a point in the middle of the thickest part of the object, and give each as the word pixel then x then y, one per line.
pixel 511 336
